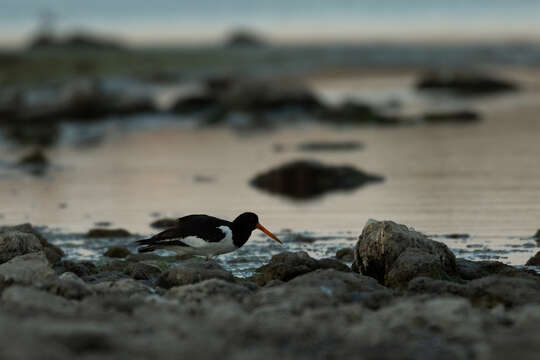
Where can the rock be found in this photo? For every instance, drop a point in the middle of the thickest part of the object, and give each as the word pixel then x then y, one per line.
pixel 354 113
pixel 164 223
pixel 324 287
pixel 105 276
pixel 244 38
pixel 117 252
pixel 345 254
pixel 31 300
pixel 28 269
pixel 302 238
pixel 537 235
pixel 286 266
pixel 107 233
pixel 464 83
pixel 70 286
pixel 457 236
pixel 330 146
pixel 265 96
pixel 192 273
pixel 16 243
pixel 35 157
pixel 488 291
pixel 394 254
pixel 79 268
pixel 126 286
pixel 301 180
pixel 213 290
pixel 53 253
pixel 114 266
pixel 142 271
pixel 470 270
pixel 195 103
pixel 534 261
pixel 463 116
pixel 144 257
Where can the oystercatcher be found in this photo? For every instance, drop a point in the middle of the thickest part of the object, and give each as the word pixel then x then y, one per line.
pixel 205 235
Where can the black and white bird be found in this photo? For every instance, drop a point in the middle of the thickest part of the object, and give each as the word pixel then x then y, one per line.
pixel 205 235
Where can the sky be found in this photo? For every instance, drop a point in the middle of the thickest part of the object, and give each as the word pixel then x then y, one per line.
pixel 181 21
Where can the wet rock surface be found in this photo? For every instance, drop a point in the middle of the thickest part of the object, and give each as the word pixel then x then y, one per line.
pixel 302 180
pixel 394 254
pixel 294 307
pixel 286 266
pixel 464 83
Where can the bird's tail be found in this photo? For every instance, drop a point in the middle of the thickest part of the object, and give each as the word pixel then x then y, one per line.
pixel 144 249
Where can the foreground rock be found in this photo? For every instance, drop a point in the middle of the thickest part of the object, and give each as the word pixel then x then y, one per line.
pixel 301 180
pixel 30 268
pixel 394 254
pixel 24 239
pixel 487 292
pixel 192 273
pixel 286 266
pixel 464 83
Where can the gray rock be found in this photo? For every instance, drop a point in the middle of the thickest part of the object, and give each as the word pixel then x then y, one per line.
pixel 323 288
pixel 117 252
pixel 70 286
pixel 213 290
pixel 488 291
pixel 345 254
pixel 142 271
pixel 394 254
pixel 15 243
pixel 124 286
pixel 287 265
pixel 28 269
pixel 79 268
pixel 192 273
pixel 25 245
pixel 534 261
pixel 31 299
pixel 471 270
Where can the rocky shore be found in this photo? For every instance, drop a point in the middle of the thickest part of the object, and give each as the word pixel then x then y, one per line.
pixel 405 297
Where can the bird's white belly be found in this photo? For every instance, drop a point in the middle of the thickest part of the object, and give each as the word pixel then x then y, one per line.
pixel 197 246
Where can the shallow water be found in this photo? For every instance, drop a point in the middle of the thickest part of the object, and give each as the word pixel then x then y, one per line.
pixel 480 179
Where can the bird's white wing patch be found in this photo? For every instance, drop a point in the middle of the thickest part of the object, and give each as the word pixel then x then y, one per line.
pixel 193 241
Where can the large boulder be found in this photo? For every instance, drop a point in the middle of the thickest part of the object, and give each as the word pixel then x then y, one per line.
pixel 394 254
pixel 194 272
pixel 306 179
pixel 288 265
pixel 23 239
pixel 30 268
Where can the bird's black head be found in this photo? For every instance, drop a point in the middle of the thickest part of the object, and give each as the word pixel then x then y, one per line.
pixel 244 224
pixel 247 221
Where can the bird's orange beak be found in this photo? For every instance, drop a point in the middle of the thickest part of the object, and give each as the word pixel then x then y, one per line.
pixel 267 232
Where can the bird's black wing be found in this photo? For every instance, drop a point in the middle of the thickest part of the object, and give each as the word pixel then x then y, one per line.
pixel 202 226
